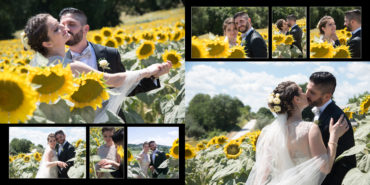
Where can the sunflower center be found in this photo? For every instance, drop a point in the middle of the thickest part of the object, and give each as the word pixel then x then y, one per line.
pixel 195 52
pixel 11 96
pixel 49 84
pixel 216 49
pixel 146 49
pixel 110 44
pixel 237 54
pixel 107 33
pixel 176 150
pixel 173 58
pixel 320 51
pixel 88 92
pixel 188 153
pixel 97 38
pixel 233 149
pixel 342 54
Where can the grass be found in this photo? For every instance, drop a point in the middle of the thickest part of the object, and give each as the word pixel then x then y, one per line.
pixel 151 16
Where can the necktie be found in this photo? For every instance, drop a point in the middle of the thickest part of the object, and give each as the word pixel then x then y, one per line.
pixel 86 54
pixel 154 156
pixel 316 111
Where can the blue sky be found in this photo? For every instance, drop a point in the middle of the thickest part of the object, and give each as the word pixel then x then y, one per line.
pixel 38 135
pixel 161 135
pixel 252 82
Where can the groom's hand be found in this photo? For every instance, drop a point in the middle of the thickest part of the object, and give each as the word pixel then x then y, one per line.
pixel 62 164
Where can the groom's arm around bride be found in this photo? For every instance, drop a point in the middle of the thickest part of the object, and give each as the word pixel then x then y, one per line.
pixel 67 153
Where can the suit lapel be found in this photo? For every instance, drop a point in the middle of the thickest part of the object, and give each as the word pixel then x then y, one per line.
pixel 99 53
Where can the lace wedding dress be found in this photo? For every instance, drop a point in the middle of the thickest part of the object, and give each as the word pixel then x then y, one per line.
pixel 283 156
pixel 144 162
pixel 46 170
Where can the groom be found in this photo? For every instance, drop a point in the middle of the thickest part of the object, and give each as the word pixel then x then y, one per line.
pixel 320 90
pixel 295 31
pixel 352 20
pixel 75 22
pixel 156 159
pixel 255 46
pixel 65 151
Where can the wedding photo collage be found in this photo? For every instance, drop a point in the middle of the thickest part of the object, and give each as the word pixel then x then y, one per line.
pixel 184 92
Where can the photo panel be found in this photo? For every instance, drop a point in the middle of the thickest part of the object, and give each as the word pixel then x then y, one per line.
pixel 335 32
pixel 153 152
pixel 106 152
pixel 47 152
pixel 289 32
pixel 227 110
pixel 229 32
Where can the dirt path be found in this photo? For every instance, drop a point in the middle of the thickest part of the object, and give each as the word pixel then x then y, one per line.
pixel 247 127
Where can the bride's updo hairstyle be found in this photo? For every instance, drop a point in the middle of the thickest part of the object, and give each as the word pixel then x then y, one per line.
pixel 280 100
pixel 322 23
pixel 36 31
pixel 51 135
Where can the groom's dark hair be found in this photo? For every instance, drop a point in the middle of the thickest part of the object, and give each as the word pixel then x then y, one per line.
pixel 118 136
pixel 150 142
pixel 353 15
pixel 241 14
pixel 59 132
pixel 325 80
pixel 291 17
pixel 81 16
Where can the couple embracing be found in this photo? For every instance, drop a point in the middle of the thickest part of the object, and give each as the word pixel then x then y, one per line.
pixel 152 160
pixel 55 161
pixel 291 151
pixel 48 37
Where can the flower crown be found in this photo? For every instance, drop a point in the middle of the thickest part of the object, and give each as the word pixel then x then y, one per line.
pixel 275 100
pixel 24 40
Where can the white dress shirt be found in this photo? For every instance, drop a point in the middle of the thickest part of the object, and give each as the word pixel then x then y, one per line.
pixel 92 61
pixel 244 35
pixel 61 147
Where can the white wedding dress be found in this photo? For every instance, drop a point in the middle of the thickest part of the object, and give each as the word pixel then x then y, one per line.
pixel 45 168
pixel 283 156
pixel 144 162
pixel 115 100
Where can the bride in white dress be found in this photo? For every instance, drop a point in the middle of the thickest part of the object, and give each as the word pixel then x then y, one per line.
pixel 45 35
pixel 49 162
pixel 291 151
pixel 144 159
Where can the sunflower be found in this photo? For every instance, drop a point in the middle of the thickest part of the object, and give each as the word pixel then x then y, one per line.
pixel 110 42
pixel 11 159
pixel 168 155
pixel 322 50
pixel 17 98
pixel 264 36
pixel 106 32
pixel 27 158
pixel 176 142
pixel 37 156
pixel 273 46
pixel 342 40
pixel 21 155
pixel 119 39
pixel 218 48
pixel 97 141
pixel 232 150
pixel 172 56
pixel 127 39
pixel 342 51
pixel 161 37
pixel 120 151
pixel 130 157
pixel 135 39
pixel 237 52
pixel 348 113
pixel 145 50
pixel 174 151
pixel 189 152
pixel 221 140
pixel 212 142
pixel 78 142
pixel 91 91
pixel 97 38
pixel 198 50
pixel 147 36
pixel 348 34
pixel 119 31
pixel 289 40
pixel 54 81
pixel 253 137
pixel 278 39
pixel 201 146
pixel 365 104
pixel 177 35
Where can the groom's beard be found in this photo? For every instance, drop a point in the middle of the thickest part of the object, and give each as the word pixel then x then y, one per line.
pixel 316 103
pixel 75 39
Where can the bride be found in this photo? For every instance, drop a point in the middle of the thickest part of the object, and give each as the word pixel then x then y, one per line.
pixel 291 151
pixel 144 159
pixel 45 35
pixel 49 162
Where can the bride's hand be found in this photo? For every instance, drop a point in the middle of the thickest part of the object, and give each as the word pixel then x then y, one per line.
pixel 339 128
pixel 62 164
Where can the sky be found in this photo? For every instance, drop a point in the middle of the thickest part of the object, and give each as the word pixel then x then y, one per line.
pixel 38 135
pixel 161 135
pixel 252 82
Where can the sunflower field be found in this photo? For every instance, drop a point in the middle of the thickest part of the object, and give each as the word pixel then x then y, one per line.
pixel 53 95
pixel 282 44
pixel 96 140
pixel 360 113
pixel 172 162
pixel 321 49
pixel 26 165
pixel 221 160
pixel 214 46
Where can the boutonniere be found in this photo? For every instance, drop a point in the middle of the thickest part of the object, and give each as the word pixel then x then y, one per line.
pixel 103 64
pixel 316 122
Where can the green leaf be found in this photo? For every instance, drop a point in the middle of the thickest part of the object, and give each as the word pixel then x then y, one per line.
pixel 95 158
pixel 58 112
pixel 352 151
pixel 132 117
pixel 355 176
pixel 87 113
pixel 113 118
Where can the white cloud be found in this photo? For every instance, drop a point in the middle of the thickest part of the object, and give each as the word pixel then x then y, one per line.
pixel 161 140
pixel 326 68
